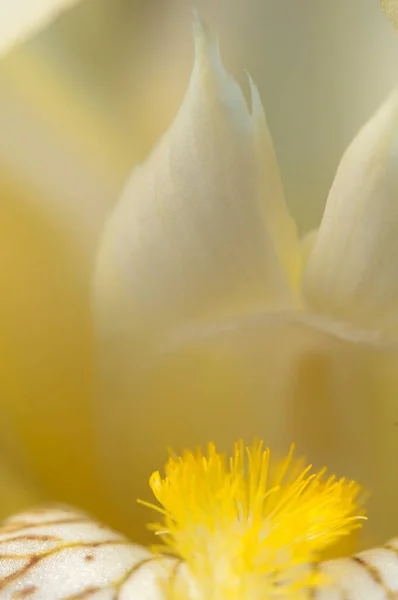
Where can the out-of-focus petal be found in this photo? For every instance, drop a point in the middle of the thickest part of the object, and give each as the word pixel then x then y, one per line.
pixel 352 270
pixel 60 171
pixel 188 238
pixel 19 18
pixel 54 554
pixel 391 9
pixel 59 143
pixel 46 349
pixel 18 491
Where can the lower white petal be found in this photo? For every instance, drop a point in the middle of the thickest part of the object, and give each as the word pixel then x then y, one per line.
pixel 61 554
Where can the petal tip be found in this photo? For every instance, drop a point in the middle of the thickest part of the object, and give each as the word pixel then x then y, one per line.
pixel 205 40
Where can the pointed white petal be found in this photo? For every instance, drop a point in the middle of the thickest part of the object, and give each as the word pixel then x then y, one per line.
pixel 188 238
pixel 352 272
pixel 19 18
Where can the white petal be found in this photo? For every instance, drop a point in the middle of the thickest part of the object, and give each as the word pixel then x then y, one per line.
pixel 59 554
pixel 352 272
pixel 18 18
pixel 54 554
pixel 188 238
pixel 369 575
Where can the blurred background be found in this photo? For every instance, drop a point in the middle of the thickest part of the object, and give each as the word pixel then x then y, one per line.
pixel 80 104
pixel 108 76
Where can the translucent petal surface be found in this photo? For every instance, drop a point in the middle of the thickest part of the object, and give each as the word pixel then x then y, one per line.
pixel 352 269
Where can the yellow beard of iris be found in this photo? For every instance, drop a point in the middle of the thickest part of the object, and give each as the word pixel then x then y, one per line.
pixel 247 529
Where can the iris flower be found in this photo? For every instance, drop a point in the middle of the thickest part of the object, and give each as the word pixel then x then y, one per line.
pixel 206 297
pixel 244 529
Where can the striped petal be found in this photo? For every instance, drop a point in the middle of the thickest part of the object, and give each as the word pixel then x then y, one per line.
pixel 60 554
pixel 352 271
pixel 19 18
pixel 369 575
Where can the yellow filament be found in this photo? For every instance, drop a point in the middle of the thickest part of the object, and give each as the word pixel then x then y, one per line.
pixel 247 528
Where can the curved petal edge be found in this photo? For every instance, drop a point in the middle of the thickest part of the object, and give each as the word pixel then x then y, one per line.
pixel 351 271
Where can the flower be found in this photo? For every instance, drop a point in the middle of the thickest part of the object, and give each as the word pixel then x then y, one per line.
pixel 243 529
pixel 50 446
pixel 207 298
pixel 248 528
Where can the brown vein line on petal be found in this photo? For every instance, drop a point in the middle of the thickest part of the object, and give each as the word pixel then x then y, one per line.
pixel 133 571
pixel 374 573
pixel 174 573
pixel 31 538
pixel 19 526
pixel 60 548
pixel 117 584
pixel 24 592
pixel 85 593
pixel 5 581
pixel 312 592
pixel 36 558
